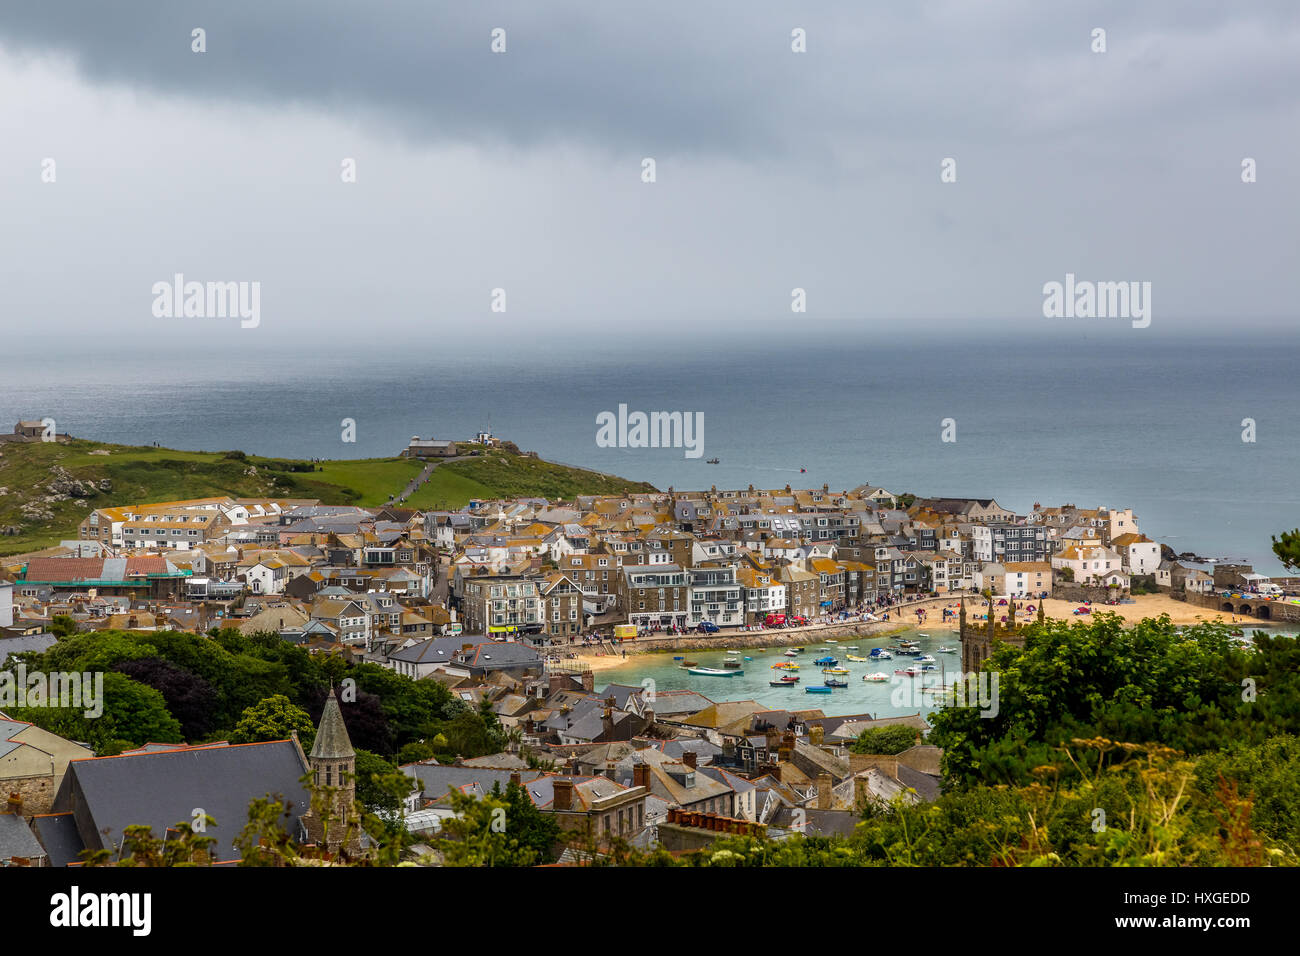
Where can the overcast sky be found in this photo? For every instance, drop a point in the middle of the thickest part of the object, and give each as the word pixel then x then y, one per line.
pixel 522 170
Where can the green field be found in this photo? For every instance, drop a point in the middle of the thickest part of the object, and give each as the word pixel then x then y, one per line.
pixel 144 474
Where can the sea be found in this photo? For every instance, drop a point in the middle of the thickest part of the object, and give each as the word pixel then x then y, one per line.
pixel 1155 422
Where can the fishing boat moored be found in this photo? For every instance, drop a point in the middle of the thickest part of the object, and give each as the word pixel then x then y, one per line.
pixel 814 689
pixel 713 672
pixel 876 678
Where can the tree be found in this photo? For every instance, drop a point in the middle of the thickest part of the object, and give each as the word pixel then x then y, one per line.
pixel 481 834
pixel 189 698
pixel 274 718
pixel 61 625
pixel 1287 548
pixel 381 787
pixel 132 715
pixel 893 739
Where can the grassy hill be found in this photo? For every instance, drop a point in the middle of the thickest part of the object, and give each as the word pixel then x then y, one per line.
pixel 46 489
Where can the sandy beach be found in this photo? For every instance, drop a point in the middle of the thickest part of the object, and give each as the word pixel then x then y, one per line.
pixel 1146 605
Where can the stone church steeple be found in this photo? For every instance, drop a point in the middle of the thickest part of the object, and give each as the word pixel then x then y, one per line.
pixel 333 765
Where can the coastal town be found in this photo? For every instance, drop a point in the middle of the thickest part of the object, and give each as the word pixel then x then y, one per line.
pixel 515 606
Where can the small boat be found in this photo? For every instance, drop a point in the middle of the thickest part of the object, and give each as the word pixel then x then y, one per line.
pixel 947 650
pixel 832 682
pixel 856 659
pixel 784 681
pixel 785 666
pixel 713 672
pixel 749 658
pixel 828 661
pixel 731 663
pixel 880 654
pixel 835 670
pixel 926 659
pixel 713 461
pixel 923 635
pixel 688 663
pixel 800 650
pixel 877 678
pixel 814 689
pixel 907 672
pixel 679 658
pixel 829 641
pixel 791 653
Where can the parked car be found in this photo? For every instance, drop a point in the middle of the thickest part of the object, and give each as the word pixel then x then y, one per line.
pixel 774 620
pixel 707 627
pixel 798 621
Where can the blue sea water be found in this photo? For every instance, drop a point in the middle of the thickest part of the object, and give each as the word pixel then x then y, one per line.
pixel 1148 421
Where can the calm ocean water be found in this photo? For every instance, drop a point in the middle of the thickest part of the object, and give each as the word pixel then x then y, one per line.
pixel 1149 421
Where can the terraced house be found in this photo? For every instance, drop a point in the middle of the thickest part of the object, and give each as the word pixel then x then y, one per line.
pixel 500 604
pixel 655 595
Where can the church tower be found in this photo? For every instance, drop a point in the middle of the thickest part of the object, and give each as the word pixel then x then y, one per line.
pixel 333 765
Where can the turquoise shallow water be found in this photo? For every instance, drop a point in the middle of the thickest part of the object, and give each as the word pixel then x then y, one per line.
pixel 898 697
pixel 859 697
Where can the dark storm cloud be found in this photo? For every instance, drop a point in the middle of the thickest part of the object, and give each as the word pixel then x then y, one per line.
pixel 713 78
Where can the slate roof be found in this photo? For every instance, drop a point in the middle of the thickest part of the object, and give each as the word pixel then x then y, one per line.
pixel 162 788
pixel 332 742
pixel 16 838
pixel 26 642
pixel 58 834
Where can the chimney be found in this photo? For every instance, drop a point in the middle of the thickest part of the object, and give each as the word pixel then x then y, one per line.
pixel 816 734
pixel 563 789
pixel 689 758
pixel 515 778
pixel 824 785
pixel 641 775
pixel 787 745
pixel 15 804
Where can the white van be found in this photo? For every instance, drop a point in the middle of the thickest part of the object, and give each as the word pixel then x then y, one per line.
pixel 1268 589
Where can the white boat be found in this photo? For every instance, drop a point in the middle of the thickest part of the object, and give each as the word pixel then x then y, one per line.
pixel 791 653
pixel 876 678
pixel 926 659
pixel 880 654
pixel 713 672
pixel 923 635
pixel 947 650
